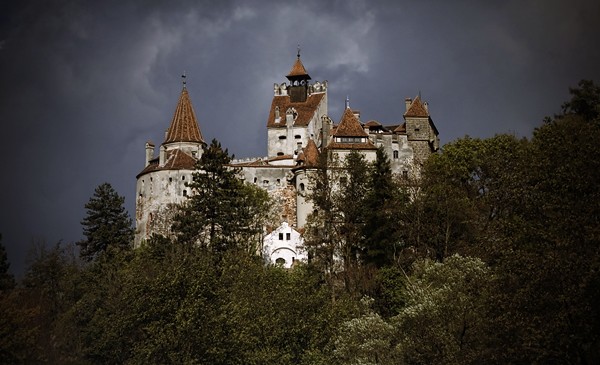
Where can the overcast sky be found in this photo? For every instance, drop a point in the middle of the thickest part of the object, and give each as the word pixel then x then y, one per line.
pixel 84 84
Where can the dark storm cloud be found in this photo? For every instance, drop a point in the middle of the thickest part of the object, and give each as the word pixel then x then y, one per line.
pixel 84 84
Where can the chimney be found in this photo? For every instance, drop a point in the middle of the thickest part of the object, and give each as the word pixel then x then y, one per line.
pixel 162 155
pixel 325 130
pixel 408 101
pixel 356 114
pixel 149 152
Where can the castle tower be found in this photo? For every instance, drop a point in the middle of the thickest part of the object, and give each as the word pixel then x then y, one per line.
pixel 162 183
pixel 421 133
pixel 296 113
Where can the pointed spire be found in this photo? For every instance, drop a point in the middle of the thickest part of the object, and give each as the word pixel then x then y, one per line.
pixel 347 102
pixel 184 126
pixel 311 154
pixel 298 72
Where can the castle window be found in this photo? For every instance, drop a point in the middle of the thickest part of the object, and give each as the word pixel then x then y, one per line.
pixel 279 153
pixel 170 179
pixel 278 181
pixel 395 154
pixel 255 179
pixel 193 153
pixel 265 182
pixel 281 236
pixel 417 129
pixel 185 193
pixel 280 261
pixel 282 137
pixel 288 236
pixel 183 177
pixel 297 136
pixel 301 186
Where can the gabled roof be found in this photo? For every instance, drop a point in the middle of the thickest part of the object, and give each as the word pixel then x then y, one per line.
pixel 184 126
pixel 174 160
pixel 401 128
pixel 417 109
pixel 373 123
pixel 349 126
pixel 306 110
pixel 298 70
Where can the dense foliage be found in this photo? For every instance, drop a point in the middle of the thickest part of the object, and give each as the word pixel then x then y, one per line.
pixel 491 256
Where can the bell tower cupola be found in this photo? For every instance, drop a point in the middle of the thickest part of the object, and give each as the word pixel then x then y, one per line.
pixel 299 79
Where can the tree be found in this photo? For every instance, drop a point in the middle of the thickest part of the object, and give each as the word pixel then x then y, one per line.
pixel 585 101
pixel 222 212
pixel 7 280
pixel 107 224
pixel 383 203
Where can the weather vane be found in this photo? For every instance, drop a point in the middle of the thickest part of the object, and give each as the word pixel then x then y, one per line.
pixel 183 78
pixel 298 50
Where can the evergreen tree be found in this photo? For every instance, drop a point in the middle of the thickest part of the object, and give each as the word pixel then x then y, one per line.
pixel 382 204
pixel 106 225
pixel 222 212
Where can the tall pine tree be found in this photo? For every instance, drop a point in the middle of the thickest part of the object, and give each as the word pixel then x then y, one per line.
pixel 106 225
pixel 222 212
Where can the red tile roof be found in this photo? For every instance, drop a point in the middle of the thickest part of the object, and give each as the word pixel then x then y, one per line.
pixel 417 109
pixel 349 126
pixel 401 128
pixel 306 110
pixel 175 160
pixel 298 70
pixel 184 126
pixel 373 123
pixel 311 154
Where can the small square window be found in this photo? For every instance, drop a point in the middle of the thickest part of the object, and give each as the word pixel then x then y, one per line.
pixel 288 236
pixel 281 236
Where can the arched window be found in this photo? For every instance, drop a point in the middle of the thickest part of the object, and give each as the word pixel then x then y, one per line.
pixel 395 154
pixel 301 186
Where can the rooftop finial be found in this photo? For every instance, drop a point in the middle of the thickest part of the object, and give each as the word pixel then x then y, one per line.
pixel 347 101
pixel 183 79
pixel 298 55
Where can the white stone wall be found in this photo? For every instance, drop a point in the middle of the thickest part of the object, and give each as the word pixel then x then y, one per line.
pixel 283 246
pixel 156 195
pixel 304 207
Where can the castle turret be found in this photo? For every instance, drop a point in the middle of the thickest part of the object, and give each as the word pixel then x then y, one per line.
pixel 162 183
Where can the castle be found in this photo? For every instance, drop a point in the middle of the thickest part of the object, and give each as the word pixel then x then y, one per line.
pixel 298 130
